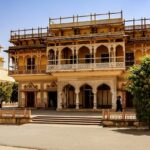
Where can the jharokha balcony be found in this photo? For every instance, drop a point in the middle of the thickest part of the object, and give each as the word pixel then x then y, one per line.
pixel 83 64
pixel 29 69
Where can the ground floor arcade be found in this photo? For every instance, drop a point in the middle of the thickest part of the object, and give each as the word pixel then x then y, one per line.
pixel 73 93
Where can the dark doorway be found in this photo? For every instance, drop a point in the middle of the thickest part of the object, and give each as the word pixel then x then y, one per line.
pixel 104 98
pixel 86 96
pixel 30 99
pixel 129 100
pixel 52 99
pixel 104 58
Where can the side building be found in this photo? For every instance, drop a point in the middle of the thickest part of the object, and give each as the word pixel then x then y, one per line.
pixel 4 72
pixel 78 62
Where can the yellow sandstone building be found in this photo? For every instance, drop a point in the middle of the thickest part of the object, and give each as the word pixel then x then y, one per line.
pixel 77 62
pixel 4 72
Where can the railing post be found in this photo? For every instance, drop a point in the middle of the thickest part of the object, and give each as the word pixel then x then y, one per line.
pixel 123 115
pixel 13 113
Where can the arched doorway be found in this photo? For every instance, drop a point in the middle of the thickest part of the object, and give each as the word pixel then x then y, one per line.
pixel 84 55
pixel 69 96
pixel 102 54
pixel 104 96
pixel 30 99
pixel 86 96
pixel 66 56
pixel 119 53
pixel 51 57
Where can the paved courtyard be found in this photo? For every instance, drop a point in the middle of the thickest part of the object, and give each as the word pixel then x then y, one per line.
pixel 66 137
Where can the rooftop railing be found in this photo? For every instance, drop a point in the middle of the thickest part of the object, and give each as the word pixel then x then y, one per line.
pixel 29 33
pixel 90 17
pixel 137 24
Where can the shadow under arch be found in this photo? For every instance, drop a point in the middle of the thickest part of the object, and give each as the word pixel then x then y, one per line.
pixel 69 97
pixel 104 96
pixel 86 96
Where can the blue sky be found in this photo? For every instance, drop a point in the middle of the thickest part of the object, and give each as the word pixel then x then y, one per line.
pixel 20 14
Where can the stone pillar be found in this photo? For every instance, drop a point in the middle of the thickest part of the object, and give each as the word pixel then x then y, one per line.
pixel 114 96
pixel 59 100
pixel 59 56
pixel 77 99
pixel 124 53
pixel 95 101
pixel 77 56
pixel 64 100
pixel 95 97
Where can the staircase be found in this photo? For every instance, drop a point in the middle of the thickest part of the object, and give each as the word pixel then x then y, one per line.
pixel 70 120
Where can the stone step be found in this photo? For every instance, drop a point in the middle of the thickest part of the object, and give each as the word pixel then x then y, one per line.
pixel 75 120
pixel 67 123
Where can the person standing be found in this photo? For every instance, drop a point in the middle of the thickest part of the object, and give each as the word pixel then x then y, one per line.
pixel 118 103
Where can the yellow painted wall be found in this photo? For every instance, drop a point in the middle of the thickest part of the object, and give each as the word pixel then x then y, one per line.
pixel 138 56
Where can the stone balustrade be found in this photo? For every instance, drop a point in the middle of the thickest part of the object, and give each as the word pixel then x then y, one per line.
pixel 91 66
pixel 15 116
pixel 119 119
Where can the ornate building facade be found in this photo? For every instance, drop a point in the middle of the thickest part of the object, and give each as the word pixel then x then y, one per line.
pixel 78 62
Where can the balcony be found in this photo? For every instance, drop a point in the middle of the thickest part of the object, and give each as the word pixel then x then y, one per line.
pixel 29 33
pixel 27 70
pixel 84 65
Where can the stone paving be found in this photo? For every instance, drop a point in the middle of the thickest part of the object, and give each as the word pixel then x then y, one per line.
pixel 66 137
pixel 13 148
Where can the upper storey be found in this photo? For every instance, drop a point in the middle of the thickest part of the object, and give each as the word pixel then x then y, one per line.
pixel 88 26
pixel 95 26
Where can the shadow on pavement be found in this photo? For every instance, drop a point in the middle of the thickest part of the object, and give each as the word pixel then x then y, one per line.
pixel 136 132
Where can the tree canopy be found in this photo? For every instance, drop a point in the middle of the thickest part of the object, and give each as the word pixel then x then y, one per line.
pixel 5 91
pixel 8 91
pixel 139 87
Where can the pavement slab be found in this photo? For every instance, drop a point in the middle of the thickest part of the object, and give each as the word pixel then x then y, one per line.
pixel 74 137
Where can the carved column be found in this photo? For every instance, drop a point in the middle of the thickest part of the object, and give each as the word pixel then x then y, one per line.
pixel 114 94
pixel 124 53
pixel 59 100
pixel 77 56
pixel 95 98
pixel 77 98
pixel 59 56
pixel 95 101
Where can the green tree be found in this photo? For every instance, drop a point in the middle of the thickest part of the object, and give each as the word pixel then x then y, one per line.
pixel 5 91
pixel 139 87
pixel 14 95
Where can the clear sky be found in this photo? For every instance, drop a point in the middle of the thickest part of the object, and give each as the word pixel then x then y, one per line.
pixel 20 14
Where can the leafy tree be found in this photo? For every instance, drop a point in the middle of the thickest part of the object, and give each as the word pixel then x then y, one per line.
pixel 14 95
pixel 5 91
pixel 139 87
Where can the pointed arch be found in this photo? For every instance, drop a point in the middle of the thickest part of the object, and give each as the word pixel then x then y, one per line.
pixel 104 96
pixel 102 54
pixel 119 53
pixel 86 96
pixel 68 96
pixel 66 55
pixel 51 57
pixel 84 54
